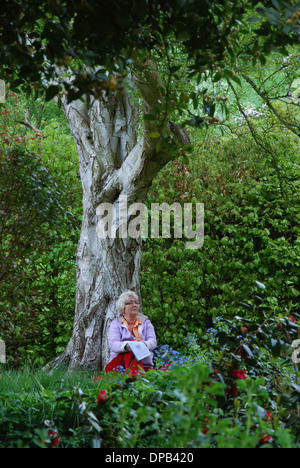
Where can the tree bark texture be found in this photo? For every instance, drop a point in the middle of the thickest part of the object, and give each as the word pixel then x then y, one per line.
pixel 113 163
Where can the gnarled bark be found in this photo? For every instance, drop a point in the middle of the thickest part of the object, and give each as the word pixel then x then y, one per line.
pixel 113 164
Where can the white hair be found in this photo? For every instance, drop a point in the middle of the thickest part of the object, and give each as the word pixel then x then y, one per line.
pixel 125 297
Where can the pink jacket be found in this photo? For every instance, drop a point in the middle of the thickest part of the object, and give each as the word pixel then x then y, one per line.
pixel 119 335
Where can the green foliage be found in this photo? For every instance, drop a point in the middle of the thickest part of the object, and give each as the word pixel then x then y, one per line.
pixel 251 232
pixel 40 206
pixel 242 390
pixel 38 39
pixel 234 395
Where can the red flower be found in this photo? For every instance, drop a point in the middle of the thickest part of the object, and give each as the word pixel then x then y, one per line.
pixel 244 329
pixel 102 396
pixel 239 374
pixel 265 439
pixel 292 319
pixel 97 378
pixel 205 430
pixel 268 416
pixel 54 438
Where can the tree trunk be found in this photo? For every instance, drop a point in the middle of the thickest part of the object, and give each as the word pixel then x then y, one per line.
pixel 113 164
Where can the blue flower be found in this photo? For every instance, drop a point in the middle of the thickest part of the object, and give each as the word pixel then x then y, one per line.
pixel 164 354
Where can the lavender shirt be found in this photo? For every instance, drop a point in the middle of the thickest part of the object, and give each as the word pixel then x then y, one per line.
pixel 119 335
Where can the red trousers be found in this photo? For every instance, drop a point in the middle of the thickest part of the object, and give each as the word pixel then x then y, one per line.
pixel 128 362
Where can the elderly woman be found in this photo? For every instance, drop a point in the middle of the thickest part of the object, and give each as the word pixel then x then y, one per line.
pixel 130 325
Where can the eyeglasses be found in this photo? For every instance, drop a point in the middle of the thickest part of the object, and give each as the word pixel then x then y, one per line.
pixel 132 302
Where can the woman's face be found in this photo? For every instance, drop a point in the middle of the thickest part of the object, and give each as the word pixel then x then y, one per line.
pixel 131 306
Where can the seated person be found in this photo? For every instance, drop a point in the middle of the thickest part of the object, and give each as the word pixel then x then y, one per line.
pixel 130 325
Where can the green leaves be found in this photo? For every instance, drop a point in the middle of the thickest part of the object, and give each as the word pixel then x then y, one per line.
pixel 35 40
pixel 39 220
pixel 154 135
pixel 149 117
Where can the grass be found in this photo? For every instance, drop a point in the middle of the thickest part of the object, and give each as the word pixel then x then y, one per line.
pixel 161 410
pixel 28 379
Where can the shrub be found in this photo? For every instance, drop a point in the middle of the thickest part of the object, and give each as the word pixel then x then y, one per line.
pixel 237 389
pixel 39 229
pixel 251 232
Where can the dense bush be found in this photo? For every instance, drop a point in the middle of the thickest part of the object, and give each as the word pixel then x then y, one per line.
pixel 251 233
pixel 40 208
pixel 232 394
pixel 225 315
pixel 29 205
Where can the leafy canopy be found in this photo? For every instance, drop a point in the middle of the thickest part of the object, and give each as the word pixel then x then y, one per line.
pixel 96 40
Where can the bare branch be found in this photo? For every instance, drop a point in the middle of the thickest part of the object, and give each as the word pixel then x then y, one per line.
pixel 283 67
pixel 256 139
pixel 27 124
pixel 291 126
pixel 149 82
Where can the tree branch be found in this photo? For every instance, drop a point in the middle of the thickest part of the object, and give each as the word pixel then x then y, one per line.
pixel 27 124
pixel 291 126
pixel 149 82
pixel 256 139
pixel 283 67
